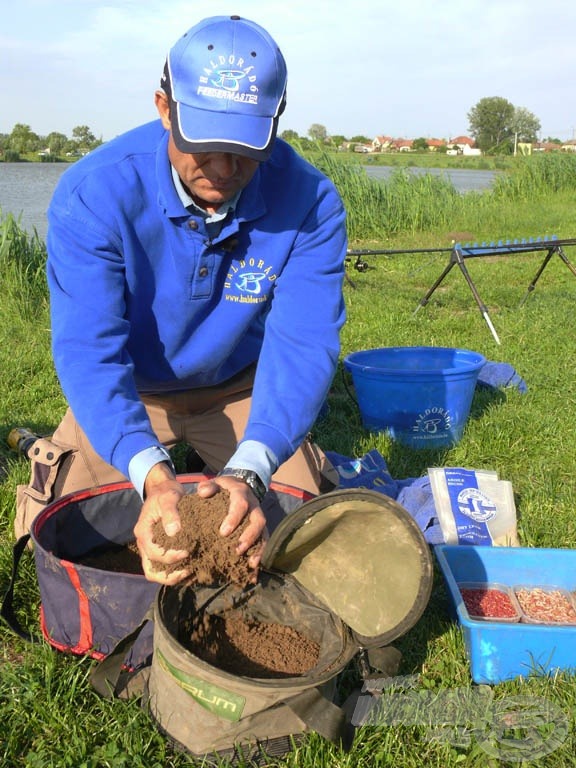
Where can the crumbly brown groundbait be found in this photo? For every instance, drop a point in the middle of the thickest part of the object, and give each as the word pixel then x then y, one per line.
pixel 213 558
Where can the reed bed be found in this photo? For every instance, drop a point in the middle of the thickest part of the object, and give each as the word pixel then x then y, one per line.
pixel 403 203
pixel 533 177
pixel 411 204
pixel 19 247
pixel 22 259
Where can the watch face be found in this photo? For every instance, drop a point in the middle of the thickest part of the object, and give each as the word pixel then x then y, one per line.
pixel 255 484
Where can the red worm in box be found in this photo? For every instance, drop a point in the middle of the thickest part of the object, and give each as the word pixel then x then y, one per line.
pixel 488 603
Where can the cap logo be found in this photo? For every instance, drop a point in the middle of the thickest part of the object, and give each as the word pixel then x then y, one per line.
pixel 224 79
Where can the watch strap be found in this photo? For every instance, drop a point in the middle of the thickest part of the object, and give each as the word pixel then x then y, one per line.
pixel 248 476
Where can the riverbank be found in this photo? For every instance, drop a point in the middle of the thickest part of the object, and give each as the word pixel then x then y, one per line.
pixel 517 205
pixel 391 159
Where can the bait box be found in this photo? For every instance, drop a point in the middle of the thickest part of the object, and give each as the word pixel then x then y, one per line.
pixel 497 650
pixel 491 587
pixel 531 617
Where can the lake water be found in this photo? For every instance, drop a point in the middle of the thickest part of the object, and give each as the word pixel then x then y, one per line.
pixel 464 180
pixel 25 191
pixel 26 188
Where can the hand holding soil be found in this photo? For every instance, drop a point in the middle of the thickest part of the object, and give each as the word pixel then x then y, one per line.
pixel 212 557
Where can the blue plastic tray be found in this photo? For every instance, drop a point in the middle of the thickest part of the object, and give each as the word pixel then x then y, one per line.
pixel 501 651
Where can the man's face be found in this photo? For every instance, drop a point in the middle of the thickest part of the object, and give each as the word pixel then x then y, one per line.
pixel 211 178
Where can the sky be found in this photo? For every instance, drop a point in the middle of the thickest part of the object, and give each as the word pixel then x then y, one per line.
pixel 405 69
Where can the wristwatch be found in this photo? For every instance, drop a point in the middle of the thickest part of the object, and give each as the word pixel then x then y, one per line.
pixel 249 477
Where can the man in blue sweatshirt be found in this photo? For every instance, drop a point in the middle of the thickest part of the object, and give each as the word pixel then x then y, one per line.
pixel 195 267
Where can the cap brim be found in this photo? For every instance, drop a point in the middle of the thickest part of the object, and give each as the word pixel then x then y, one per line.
pixel 195 130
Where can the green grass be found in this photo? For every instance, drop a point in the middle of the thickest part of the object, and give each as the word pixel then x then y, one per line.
pixel 50 716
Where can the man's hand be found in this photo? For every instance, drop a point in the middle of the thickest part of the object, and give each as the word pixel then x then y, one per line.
pixel 242 503
pixel 162 494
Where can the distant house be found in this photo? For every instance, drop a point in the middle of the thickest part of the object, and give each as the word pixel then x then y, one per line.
pixel 462 145
pixel 569 146
pixel 382 143
pixel 528 147
pixel 435 144
pixel 402 145
pixel 546 146
pixel 462 141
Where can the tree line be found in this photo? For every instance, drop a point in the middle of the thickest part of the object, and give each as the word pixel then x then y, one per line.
pixel 495 124
pixel 23 142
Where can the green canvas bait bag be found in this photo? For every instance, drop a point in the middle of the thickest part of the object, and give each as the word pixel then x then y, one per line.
pixel 350 570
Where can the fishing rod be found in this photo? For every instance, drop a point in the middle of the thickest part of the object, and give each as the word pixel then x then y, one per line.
pixel 470 250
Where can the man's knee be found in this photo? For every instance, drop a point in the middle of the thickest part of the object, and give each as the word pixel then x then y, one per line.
pixel 309 469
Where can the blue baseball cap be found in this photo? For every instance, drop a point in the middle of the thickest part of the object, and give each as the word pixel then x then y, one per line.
pixel 226 80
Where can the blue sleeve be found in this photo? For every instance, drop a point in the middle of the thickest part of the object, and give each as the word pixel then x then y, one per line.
pixel 253 455
pixel 301 346
pixel 143 462
pixel 86 277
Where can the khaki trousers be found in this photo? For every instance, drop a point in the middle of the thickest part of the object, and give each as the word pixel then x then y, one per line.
pixel 212 420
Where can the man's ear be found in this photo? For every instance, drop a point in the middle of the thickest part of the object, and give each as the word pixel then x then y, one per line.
pixel 163 106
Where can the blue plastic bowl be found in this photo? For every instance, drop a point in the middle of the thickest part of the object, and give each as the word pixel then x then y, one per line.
pixel 421 396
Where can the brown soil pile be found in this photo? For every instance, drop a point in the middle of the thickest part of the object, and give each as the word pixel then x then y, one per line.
pixel 251 648
pixel 212 558
pixel 124 559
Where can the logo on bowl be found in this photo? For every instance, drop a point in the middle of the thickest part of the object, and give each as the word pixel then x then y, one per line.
pixel 433 421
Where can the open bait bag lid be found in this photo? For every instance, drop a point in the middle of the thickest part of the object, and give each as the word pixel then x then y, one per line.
pixel 362 555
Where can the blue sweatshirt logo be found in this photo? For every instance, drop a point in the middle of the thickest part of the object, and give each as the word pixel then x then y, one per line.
pixel 246 280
